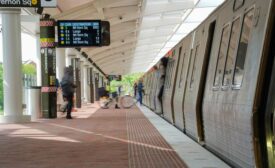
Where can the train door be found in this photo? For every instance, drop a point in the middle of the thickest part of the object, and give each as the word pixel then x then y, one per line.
pixel 270 123
pixel 267 121
pixel 170 83
pixel 202 85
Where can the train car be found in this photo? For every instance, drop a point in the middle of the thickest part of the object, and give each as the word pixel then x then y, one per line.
pixel 146 83
pixel 180 87
pixel 195 83
pixel 169 86
pixel 219 85
pixel 230 103
pixel 153 89
pixel 149 90
pixel 157 99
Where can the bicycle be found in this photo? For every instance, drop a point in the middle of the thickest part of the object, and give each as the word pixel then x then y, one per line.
pixel 126 102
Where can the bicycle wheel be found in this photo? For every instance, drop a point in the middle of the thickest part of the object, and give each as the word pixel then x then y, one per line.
pixel 127 101
pixel 104 103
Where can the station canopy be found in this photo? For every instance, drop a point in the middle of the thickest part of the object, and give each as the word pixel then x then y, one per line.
pixel 142 31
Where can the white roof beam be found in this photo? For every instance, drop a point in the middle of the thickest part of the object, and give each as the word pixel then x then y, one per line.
pixel 164 7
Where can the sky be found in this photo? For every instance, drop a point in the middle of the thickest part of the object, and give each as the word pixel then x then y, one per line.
pixel 28 47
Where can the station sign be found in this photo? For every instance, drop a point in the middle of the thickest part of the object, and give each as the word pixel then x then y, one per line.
pixel 79 33
pixel 114 77
pixel 28 3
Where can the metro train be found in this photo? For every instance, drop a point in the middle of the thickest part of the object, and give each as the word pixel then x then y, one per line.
pixel 219 85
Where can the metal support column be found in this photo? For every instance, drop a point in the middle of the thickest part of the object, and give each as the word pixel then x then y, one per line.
pixel 76 67
pixel 48 64
pixel 92 89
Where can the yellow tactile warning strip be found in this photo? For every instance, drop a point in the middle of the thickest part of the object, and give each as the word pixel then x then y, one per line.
pixel 147 148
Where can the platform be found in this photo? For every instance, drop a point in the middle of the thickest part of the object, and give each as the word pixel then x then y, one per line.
pixel 101 138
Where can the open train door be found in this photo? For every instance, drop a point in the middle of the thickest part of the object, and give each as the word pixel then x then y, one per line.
pixel 264 122
pixel 269 118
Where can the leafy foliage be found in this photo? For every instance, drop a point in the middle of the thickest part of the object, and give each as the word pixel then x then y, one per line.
pixel 127 83
pixel 28 69
pixel 1 89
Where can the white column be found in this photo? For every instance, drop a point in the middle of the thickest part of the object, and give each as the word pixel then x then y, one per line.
pixel 12 63
pixel 60 62
pixel 38 61
pixel 85 77
pixel 68 57
pixel 82 80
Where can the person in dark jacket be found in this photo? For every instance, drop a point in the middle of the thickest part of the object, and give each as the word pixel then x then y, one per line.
pixel 140 91
pixel 68 87
pixel 135 90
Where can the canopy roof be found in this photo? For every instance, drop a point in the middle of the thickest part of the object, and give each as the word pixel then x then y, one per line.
pixel 142 31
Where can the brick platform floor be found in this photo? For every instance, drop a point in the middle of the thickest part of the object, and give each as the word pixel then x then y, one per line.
pixel 95 138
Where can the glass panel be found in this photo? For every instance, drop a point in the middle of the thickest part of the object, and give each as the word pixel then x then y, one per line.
pixel 238 4
pixel 181 77
pixel 222 55
pixel 171 73
pixel 231 54
pixel 242 50
pixel 194 67
pixel 167 75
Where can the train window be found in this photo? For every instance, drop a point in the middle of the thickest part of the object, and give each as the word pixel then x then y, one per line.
pixel 167 78
pixel 242 48
pixel 181 77
pixel 231 54
pixel 222 55
pixel 171 73
pixel 194 67
pixel 238 4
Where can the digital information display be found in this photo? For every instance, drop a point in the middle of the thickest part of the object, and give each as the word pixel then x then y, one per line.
pixel 79 33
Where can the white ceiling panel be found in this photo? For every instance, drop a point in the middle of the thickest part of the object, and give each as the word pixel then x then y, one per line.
pixel 142 31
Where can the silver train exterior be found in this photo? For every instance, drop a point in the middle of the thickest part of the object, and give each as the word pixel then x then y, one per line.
pixel 220 84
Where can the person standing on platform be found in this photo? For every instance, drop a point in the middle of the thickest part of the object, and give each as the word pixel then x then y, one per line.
pixel 162 70
pixel 135 89
pixel 68 87
pixel 140 91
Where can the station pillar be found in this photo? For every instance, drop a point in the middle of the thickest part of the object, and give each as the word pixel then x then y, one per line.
pixel 96 78
pixel 91 82
pixel 60 63
pixel 38 61
pixel 82 79
pixel 85 83
pixel 48 66
pixel 12 63
pixel 68 58
pixel 77 73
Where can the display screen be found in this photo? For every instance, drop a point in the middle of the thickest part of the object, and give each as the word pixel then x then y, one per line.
pixel 79 33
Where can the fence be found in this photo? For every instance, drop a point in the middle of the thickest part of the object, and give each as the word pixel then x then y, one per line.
pixel 28 80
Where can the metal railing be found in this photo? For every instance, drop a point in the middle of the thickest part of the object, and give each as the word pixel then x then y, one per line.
pixel 27 80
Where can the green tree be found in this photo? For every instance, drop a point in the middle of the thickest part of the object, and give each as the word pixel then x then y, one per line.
pixel 1 89
pixel 127 83
pixel 28 69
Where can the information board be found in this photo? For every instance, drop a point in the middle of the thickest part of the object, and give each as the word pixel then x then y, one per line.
pixel 28 3
pixel 79 33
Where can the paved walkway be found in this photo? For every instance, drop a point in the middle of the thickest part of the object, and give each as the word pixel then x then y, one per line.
pixel 95 138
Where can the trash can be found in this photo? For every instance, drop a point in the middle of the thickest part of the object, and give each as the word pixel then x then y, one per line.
pixel 34 102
